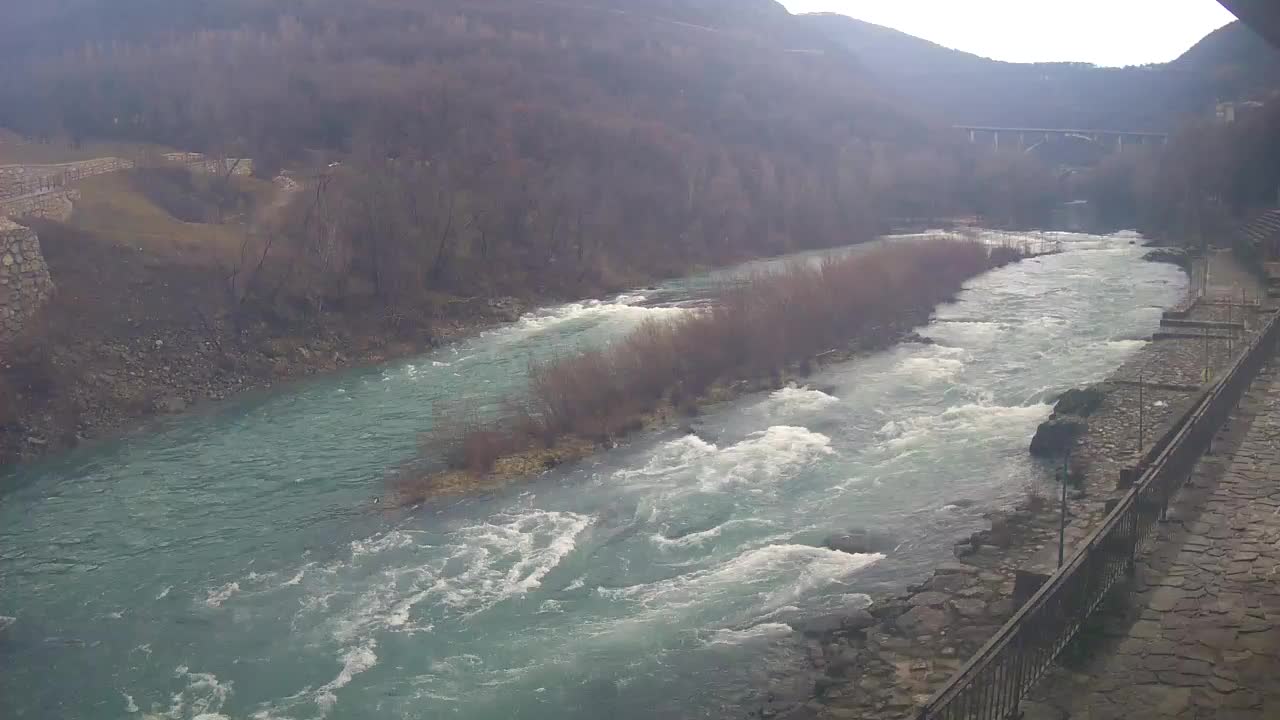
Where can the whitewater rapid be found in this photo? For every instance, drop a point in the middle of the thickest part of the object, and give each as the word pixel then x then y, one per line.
pixel 227 565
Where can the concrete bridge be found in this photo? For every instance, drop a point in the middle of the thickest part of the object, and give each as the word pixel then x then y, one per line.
pixel 1028 139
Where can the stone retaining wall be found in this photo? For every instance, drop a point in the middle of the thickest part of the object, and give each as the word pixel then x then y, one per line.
pixel 201 163
pixel 54 205
pixel 25 284
pixel 20 180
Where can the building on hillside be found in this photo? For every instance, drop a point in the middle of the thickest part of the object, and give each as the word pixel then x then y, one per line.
pixel 1228 112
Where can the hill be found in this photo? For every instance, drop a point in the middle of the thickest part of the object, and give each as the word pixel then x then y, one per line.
pixel 956 87
pixel 504 146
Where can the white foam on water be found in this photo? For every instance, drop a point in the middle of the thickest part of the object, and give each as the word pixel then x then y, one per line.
pixel 437 363
pixel 506 559
pixel 964 332
pixel 764 457
pixel 976 421
pixel 624 309
pixel 859 601
pixel 165 592
pixel 222 594
pixel 398 618
pixel 794 400
pixel 202 699
pixel 356 660
pixel 776 576
pixel 1046 321
pixel 298 576
pixel 689 540
pixel 932 369
pixel 767 630
pixel 1126 346
pixel 690 465
pixel 6 621
pixel 701 537
pixel 670 458
pixel 384 605
pixel 481 566
pixel 393 540
pixel 130 706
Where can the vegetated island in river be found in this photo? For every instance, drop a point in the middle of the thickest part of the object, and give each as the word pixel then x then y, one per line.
pixel 756 334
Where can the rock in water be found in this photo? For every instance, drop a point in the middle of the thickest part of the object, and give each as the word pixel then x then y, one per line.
pixel 1081 402
pixel 1056 436
pixel 818 626
pixel 859 542
pixel 1177 256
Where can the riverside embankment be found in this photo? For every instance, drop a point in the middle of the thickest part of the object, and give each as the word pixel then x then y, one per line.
pixel 885 663
pixel 225 564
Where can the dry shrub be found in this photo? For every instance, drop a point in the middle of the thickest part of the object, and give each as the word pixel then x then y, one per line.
pixel 753 329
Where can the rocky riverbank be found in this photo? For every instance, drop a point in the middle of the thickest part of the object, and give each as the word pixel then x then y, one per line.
pixel 129 336
pixel 886 660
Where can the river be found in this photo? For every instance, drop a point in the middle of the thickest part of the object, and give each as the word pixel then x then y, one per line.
pixel 231 564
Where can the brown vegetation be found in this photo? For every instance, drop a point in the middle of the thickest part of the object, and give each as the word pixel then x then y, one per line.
pixel 1209 179
pixel 764 327
pixel 133 332
pixel 505 147
pixel 445 152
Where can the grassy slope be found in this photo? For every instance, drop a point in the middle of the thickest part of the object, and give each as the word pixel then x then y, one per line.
pixel 113 209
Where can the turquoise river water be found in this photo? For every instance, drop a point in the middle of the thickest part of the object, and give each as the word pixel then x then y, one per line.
pixel 231 563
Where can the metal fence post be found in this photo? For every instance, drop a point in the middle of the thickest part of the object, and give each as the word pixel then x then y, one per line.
pixel 1062 521
pixel 1142 411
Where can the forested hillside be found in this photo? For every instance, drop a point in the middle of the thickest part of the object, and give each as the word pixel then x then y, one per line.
pixel 548 146
pixel 509 145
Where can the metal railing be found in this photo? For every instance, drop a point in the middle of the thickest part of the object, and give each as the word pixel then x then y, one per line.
pixel 996 679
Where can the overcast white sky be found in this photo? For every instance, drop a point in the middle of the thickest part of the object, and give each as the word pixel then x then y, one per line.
pixel 1104 32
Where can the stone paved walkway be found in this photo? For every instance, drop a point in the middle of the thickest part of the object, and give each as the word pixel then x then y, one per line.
pixel 1201 637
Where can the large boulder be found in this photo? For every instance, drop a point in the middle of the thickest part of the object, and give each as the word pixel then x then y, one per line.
pixel 1056 436
pixel 922 620
pixel 859 541
pixel 1081 402
pixel 822 625
pixel 1176 256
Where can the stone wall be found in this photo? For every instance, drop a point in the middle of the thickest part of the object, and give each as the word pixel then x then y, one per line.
pixel 200 163
pixel 25 284
pixel 20 180
pixel 54 205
